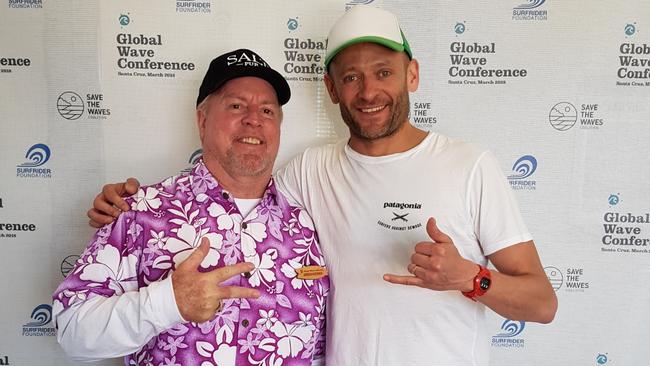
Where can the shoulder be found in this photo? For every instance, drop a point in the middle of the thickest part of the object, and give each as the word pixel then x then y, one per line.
pixel 455 151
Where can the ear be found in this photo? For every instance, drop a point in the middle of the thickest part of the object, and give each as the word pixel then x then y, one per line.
pixel 200 123
pixel 413 75
pixel 331 90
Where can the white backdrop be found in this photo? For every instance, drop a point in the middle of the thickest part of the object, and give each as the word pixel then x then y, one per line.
pixel 562 97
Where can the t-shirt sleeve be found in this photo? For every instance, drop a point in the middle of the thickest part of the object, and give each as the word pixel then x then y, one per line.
pixel 493 208
pixel 289 180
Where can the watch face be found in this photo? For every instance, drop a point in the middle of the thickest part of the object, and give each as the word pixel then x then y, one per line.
pixel 485 283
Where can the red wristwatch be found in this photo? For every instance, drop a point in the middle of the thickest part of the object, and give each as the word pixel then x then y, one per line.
pixel 482 282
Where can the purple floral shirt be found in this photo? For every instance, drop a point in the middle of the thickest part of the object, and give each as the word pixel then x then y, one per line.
pixel 167 221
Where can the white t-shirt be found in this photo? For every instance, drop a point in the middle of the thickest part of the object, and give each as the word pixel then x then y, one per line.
pixel 369 213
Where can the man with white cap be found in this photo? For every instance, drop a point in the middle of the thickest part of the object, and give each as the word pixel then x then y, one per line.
pixel 374 198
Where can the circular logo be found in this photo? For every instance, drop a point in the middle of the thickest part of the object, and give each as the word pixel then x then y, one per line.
pixel 124 20
pixel 563 116
pixel 554 277
pixel 459 28
pixel 630 29
pixel 613 199
pixel 68 263
pixel 601 359
pixel 70 105
pixel 292 24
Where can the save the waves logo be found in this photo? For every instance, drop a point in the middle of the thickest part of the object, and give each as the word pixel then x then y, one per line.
pixel 564 115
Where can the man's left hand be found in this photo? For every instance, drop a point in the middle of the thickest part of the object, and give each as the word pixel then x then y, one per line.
pixel 437 265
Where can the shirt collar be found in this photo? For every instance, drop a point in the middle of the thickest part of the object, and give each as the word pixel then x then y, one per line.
pixel 203 183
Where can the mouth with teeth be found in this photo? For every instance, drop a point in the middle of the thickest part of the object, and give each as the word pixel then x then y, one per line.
pixel 250 140
pixel 373 109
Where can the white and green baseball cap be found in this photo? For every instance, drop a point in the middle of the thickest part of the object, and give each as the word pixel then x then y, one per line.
pixel 363 23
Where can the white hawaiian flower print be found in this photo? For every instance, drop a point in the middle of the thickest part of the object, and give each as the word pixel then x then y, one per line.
pixel 291 337
pixel 225 220
pixel 267 318
pixel 224 355
pixel 189 239
pixel 290 270
pixel 110 265
pixel 254 233
pixel 146 201
pixel 264 264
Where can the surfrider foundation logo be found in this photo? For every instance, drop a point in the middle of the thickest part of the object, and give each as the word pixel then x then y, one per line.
pixel 522 169
pixel 38 325
pixel 530 11
pixel 37 156
pixel 510 334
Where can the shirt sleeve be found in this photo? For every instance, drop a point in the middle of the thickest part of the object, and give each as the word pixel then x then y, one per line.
pixel 99 310
pixel 494 210
pixel 289 181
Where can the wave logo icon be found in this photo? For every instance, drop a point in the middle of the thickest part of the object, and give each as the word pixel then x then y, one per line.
pixel 511 328
pixel 292 24
pixel 70 105
pixel 459 28
pixel 38 155
pixel 359 2
pixel 124 20
pixel 194 158
pixel 630 29
pixel 563 116
pixel 41 316
pixel 524 167
pixel 554 277
pixel 601 359
pixel 532 4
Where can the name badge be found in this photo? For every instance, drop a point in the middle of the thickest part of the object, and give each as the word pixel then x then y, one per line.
pixel 311 272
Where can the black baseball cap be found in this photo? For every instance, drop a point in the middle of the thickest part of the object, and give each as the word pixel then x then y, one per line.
pixel 240 63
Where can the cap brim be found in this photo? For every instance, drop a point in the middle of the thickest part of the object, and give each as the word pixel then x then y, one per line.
pixel 277 81
pixel 370 39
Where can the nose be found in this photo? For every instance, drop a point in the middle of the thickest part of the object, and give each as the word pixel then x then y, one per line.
pixel 251 118
pixel 368 89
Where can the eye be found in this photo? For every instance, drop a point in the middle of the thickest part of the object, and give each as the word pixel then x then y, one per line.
pixel 384 73
pixel 350 78
pixel 268 111
pixel 235 106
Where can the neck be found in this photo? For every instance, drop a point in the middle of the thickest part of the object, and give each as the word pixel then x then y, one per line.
pixel 405 138
pixel 239 186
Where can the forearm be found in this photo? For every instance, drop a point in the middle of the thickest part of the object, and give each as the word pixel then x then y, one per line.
pixel 527 297
pixel 111 327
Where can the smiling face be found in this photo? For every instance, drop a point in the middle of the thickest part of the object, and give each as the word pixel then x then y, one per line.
pixel 239 126
pixel 371 85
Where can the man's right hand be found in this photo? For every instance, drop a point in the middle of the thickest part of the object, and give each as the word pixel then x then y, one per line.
pixel 199 294
pixel 109 203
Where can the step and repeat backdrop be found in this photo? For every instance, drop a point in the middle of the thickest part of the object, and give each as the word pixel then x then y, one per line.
pixel 94 92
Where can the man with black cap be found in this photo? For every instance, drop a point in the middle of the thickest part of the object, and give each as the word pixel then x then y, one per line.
pixel 212 267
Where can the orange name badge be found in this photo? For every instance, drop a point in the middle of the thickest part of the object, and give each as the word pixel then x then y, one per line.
pixel 311 272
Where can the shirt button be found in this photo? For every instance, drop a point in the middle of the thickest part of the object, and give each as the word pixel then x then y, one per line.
pixel 244 322
pixel 246 274
pixel 225 195
pixel 244 225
